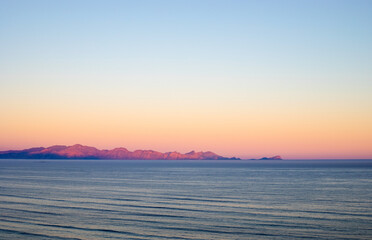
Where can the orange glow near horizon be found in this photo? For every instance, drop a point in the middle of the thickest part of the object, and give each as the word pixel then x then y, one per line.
pixel 256 132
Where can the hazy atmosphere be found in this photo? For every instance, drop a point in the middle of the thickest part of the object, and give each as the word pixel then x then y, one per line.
pixel 239 78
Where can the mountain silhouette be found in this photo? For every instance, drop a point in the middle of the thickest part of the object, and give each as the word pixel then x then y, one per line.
pixel 79 151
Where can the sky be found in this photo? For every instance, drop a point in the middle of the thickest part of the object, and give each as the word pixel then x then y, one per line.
pixel 239 78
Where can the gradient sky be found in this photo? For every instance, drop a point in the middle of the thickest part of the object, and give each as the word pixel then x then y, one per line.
pixel 240 78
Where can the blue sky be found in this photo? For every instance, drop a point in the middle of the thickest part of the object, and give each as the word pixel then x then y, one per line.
pixel 249 36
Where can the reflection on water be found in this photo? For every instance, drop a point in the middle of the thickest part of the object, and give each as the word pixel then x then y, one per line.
pixel 64 199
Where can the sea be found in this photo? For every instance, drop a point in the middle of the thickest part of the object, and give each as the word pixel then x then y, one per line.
pixel 206 200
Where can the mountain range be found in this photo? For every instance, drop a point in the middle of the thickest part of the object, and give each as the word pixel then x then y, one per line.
pixel 79 151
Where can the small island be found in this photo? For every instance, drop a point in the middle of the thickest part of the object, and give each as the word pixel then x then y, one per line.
pixel 276 157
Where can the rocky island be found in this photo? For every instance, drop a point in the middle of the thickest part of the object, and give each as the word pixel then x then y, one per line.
pixel 276 157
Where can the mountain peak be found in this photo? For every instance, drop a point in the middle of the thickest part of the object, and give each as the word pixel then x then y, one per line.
pixel 56 147
pixel 190 153
pixel 77 146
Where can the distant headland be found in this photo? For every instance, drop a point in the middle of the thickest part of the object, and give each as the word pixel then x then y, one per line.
pixel 79 151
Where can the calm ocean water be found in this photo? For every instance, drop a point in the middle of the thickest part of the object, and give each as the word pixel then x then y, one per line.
pixel 105 199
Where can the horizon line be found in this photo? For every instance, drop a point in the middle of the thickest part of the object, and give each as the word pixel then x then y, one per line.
pixel 241 158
